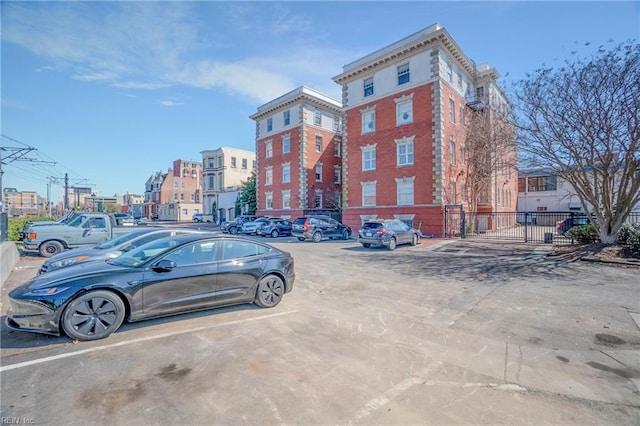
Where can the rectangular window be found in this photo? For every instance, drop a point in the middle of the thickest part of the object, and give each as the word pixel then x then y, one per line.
pixel 336 123
pixel 462 154
pixel 368 87
pixel 210 162
pixel 286 173
pixel 453 192
pixel 318 143
pixel 452 151
pixel 449 72
pixel 268 149
pixel 286 199
pixel 212 182
pixel 317 117
pixel 480 92
pixel 233 162
pixel 405 193
pixel 268 176
pixel 404 113
pixel 318 172
pixel 405 153
pixel 369 194
pixel 336 148
pixel 286 144
pixel 452 111
pixel 542 183
pixel 317 202
pixel 368 122
pixel 336 174
pixel 369 159
pixel 461 114
pixel 403 74
pixel 287 117
pixel 269 124
pixel 268 199
pixel 244 163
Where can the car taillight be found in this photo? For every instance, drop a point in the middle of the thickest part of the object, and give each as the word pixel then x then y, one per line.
pixel 307 227
pixel 382 233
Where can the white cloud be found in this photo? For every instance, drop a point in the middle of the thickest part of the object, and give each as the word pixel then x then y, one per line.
pixel 154 45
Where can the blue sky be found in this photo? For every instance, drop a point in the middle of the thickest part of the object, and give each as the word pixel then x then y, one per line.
pixel 115 91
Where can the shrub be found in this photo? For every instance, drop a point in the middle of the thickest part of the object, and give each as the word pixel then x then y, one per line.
pixel 17 224
pixel 584 234
pixel 630 234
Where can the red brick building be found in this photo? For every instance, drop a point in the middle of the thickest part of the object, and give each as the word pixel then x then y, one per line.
pixel 403 144
pixel 298 154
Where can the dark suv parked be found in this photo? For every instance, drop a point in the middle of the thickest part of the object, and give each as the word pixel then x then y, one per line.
pixel 275 227
pixel 573 220
pixel 232 227
pixel 317 227
pixel 388 233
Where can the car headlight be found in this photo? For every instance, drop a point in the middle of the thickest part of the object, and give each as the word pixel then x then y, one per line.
pixel 67 262
pixel 47 291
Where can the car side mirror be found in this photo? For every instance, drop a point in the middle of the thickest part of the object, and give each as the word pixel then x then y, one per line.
pixel 164 265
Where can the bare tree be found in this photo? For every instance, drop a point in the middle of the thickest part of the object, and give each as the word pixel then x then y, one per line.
pixel 490 150
pixel 581 120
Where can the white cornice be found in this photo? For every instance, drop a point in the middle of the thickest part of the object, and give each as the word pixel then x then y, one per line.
pixel 302 93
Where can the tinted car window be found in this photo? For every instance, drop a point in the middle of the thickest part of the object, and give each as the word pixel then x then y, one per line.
pixel 239 249
pixel 372 226
pixel 199 252
pixel 300 221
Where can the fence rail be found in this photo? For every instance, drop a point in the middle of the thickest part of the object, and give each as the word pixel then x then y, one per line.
pixel 534 227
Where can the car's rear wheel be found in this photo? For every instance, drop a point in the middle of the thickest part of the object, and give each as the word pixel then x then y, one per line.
pixel 345 235
pixel 392 244
pixel 414 240
pixel 270 291
pixel 317 237
pixel 233 230
pixel 275 233
pixel 51 248
pixel 93 315
pixel 366 245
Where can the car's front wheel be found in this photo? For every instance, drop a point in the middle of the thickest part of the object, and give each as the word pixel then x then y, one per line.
pixel 93 315
pixel 270 291
pixel 233 230
pixel 392 244
pixel 275 233
pixel 345 234
pixel 51 248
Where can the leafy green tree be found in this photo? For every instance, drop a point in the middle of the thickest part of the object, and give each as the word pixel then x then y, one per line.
pixel 248 195
pixel 581 120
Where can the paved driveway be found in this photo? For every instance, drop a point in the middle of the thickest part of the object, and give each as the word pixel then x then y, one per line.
pixel 442 333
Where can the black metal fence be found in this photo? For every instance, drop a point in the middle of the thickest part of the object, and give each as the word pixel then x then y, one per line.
pixel 534 227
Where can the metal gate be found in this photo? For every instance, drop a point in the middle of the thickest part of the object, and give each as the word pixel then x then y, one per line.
pixel 454 221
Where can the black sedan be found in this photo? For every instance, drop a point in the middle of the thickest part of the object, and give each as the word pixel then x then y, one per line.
pixel 164 277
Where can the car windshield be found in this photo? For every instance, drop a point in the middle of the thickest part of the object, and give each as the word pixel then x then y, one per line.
pixel 109 244
pixel 76 222
pixel 144 253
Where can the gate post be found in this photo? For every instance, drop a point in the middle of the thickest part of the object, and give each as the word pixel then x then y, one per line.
pixel 463 223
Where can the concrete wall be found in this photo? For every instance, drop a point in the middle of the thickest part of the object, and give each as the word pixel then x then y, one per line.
pixel 8 258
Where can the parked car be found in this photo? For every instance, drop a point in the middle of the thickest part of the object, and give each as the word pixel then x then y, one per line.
pixel 275 227
pixel 317 227
pixel 110 248
pixel 249 228
pixel 387 233
pixel 164 277
pixel 572 221
pixel 201 217
pixel 233 226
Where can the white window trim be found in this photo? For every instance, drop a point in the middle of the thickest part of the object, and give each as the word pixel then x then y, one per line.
pixel 286 192
pixel 407 140
pixel 403 100
pixel 369 184
pixel 399 183
pixel 268 196
pixel 368 148
pixel 285 166
pixel 365 112
pixel 268 171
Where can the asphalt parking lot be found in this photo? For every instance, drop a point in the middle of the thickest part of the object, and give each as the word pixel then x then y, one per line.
pixel 447 332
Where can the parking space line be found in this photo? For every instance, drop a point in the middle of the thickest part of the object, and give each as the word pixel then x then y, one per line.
pixel 133 341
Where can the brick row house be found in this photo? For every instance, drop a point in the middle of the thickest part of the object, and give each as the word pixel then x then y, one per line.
pixel 401 151
pixel 298 154
pixel 404 154
pixel 174 195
